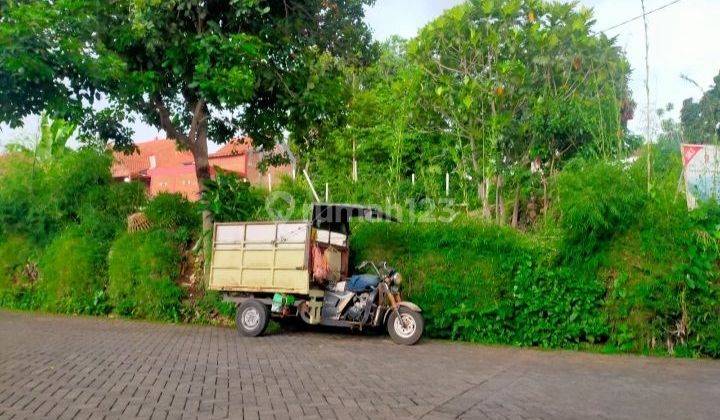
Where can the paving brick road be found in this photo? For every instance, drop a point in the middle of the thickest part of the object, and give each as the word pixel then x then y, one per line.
pixel 64 367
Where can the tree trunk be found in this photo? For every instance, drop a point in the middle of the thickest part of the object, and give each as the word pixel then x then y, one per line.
pixel 544 180
pixel 487 213
pixel 482 184
pixel 202 172
pixel 516 208
pixel 195 140
pixel 499 200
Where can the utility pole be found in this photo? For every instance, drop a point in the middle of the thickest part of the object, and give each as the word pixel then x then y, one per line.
pixel 647 97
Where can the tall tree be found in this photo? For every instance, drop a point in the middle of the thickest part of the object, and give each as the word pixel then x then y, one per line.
pixel 198 69
pixel 701 119
pixel 517 80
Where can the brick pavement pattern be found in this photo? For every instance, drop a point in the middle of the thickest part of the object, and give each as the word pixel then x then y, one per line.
pixel 75 367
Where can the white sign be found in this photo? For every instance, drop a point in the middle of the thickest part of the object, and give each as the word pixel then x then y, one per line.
pixel 701 164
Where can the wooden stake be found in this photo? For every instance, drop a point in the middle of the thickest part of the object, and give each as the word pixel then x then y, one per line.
pixel 354 164
pixel 312 187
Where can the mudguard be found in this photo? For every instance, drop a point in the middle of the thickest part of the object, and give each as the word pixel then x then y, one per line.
pixel 409 305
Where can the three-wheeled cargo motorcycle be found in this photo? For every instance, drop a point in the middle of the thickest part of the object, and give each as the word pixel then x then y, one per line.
pixel 301 270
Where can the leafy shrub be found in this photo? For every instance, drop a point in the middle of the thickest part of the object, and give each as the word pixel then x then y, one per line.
pixel 486 283
pixel 15 252
pixel 208 309
pixel 289 200
pixel 23 201
pixel 173 211
pixel 113 203
pixel 72 177
pixel 230 199
pixel 664 283
pixel 596 200
pixel 143 267
pixel 40 199
pixel 72 274
pixel 554 307
pixel 17 272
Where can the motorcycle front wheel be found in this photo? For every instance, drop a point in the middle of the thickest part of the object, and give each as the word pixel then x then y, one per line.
pixel 407 328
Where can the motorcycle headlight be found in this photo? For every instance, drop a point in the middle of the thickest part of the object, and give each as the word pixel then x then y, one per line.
pixel 397 279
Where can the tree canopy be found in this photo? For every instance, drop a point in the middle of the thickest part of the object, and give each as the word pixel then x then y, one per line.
pixel 701 119
pixel 483 91
pixel 198 69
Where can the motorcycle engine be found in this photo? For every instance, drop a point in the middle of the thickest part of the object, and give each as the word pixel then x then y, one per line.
pixel 356 311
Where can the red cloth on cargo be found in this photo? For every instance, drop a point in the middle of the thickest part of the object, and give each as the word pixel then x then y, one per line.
pixel 321 268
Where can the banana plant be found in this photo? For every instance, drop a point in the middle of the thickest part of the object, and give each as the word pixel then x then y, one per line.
pixel 54 135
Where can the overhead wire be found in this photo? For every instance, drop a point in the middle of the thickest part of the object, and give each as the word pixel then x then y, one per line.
pixel 648 13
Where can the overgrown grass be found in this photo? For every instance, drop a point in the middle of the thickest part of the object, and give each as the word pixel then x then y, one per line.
pixel 479 282
pixel 143 269
pixel 59 221
pixel 614 265
pixel 73 274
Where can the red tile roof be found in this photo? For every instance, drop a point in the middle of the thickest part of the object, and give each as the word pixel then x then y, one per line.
pixel 165 168
pixel 164 152
pixel 234 147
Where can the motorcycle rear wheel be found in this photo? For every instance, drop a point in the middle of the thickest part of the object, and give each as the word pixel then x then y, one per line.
pixel 252 318
pixel 407 329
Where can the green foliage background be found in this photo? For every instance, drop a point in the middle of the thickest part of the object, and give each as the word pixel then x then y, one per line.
pixel 613 266
pixel 63 245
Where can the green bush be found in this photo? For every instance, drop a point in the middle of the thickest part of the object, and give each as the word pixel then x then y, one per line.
pixel 231 199
pixel 289 200
pixel 596 200
pixel 173 211
pixel 40 199
pixel 208 309
pixel 18 268
pixel 112 204
pixel 143 269
pixel 72 177
pixel 486 283
pixel 24 203
pixel 72 274
pixel 663 281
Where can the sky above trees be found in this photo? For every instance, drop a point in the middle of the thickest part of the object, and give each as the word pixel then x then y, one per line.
pixel 682 42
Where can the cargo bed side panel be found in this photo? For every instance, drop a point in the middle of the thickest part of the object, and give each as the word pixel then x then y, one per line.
pixel 260 257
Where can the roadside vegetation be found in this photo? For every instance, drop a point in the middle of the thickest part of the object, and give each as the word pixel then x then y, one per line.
pixel 530 214
pixel 611 267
